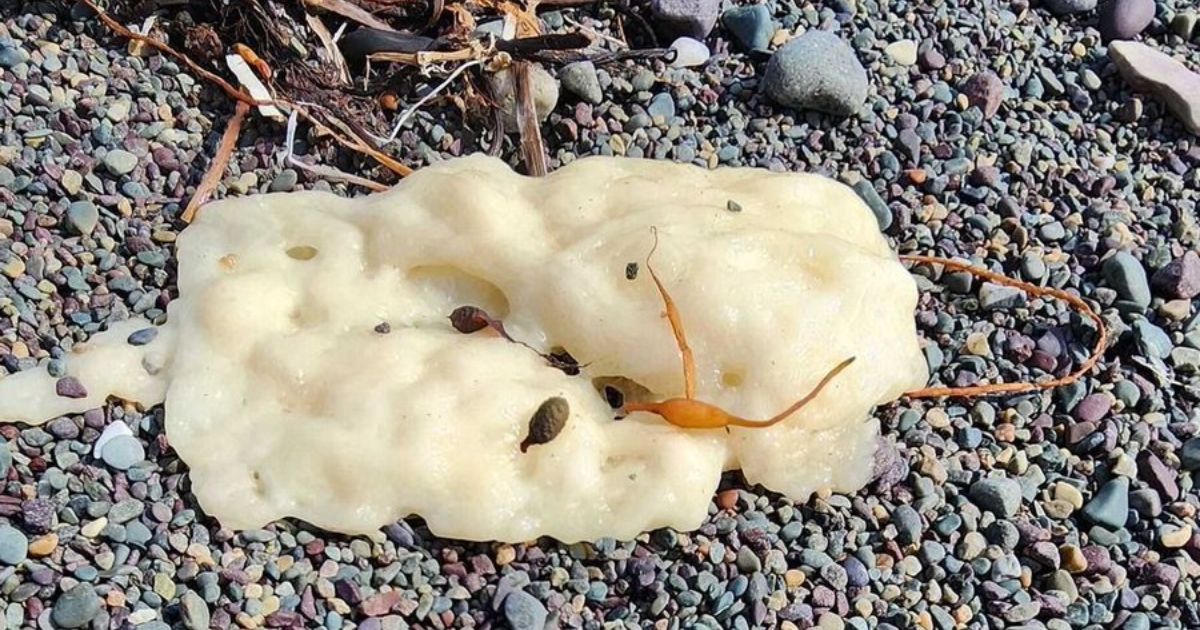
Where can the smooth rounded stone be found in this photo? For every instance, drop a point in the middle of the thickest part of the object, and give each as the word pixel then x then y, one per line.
pixel 6 459
pixel 1180 278
pixel 580 79
pixel 1183 24
pixel 984 90
pixel 866 191
pixel 1110 506
pixel 998 495
pixel 14 546
pixel 1152 341
pixel 908 524
pixel 1093 408
pixel 1125 19
pixel 903 52
pixel 748 561
pixel 750 26
pixel 12 56
pixel 1170 81
pixel 689 53
pixel 994 296
pixel 82 217
pixel 1066 7
pixel 524 612
pixel 684 18
pixel 818 71
pixel 661 106
pixel 1189 454
pixel 123 452
pixel 543 85
pixel 1126 275
pixel 76 607
pixel 120 162
pixel 285 181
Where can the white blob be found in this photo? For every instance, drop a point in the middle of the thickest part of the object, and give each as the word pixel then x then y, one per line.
pixel 284 400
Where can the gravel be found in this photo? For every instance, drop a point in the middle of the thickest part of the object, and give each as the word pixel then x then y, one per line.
pixel 1075 509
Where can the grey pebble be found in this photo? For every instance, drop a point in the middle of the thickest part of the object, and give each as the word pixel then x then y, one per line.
pixel 866 191
pixel 122 452
pixel 580 79
pixel 1065 7
pixel 14 546
pixel 76 607
pixel 998 495
pixel 751 26
pixel 818 71
pixel 524 612
pixel 1126 274
pixel 120 162
pixel 82 217
pixel 684 18
pixel 1110 506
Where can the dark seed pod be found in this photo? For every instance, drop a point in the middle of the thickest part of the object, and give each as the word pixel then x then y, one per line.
pixel 547 422
pixel 733 206
pixel 631 271
pixel 468 319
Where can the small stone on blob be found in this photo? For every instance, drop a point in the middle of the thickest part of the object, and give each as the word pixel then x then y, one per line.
pixel 383 328
pixel 733 206
pixel 631 271
pixel 142 337
pixel 70 387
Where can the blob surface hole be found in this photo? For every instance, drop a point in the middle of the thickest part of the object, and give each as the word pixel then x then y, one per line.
pixel 302 252
pixel 454 288
pixel 733 378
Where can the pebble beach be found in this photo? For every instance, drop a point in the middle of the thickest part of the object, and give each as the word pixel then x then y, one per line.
pixel 1055 142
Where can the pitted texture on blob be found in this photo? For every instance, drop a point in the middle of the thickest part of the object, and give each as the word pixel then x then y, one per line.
pixel 285 401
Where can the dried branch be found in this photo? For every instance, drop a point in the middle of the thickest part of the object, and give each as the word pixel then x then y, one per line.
pixel 532 148
pixel 219 162
pixel 335 53
pixel 353 141
pixel 350 11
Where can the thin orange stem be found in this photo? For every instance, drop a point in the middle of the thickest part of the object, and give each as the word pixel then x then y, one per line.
pixel 217 169
pixel 689 361
pixel 783 415
pixel 1013 388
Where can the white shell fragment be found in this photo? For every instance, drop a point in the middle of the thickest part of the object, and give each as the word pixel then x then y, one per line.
pixel 113 430
pixel 689 53
pixel 286 398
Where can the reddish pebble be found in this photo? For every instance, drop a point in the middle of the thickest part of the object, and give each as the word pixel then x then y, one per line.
pixel 727 500
pixel 70 387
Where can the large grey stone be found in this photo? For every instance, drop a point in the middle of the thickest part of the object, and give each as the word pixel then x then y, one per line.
pixel 818 71
pixel 1167 79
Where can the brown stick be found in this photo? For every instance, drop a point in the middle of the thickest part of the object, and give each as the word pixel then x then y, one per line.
pixel 1014 388
pixel 221 160
pixel 354 143
pixel 351 11
pixel 532 148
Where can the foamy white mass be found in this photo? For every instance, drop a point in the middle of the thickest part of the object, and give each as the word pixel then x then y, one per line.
pixel 285 401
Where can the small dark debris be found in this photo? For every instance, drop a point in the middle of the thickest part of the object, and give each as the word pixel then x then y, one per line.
pixel 733 206
pixel 383 328
pixel 631 271
pixel 468 319
pixel 563 360
pixel 618 390
pixel 615 398
pixel 70 387
pixel 142 337
pixel 547 422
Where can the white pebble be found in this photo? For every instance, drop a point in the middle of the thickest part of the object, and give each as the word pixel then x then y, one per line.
pixel 689 53
pixel 111 431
